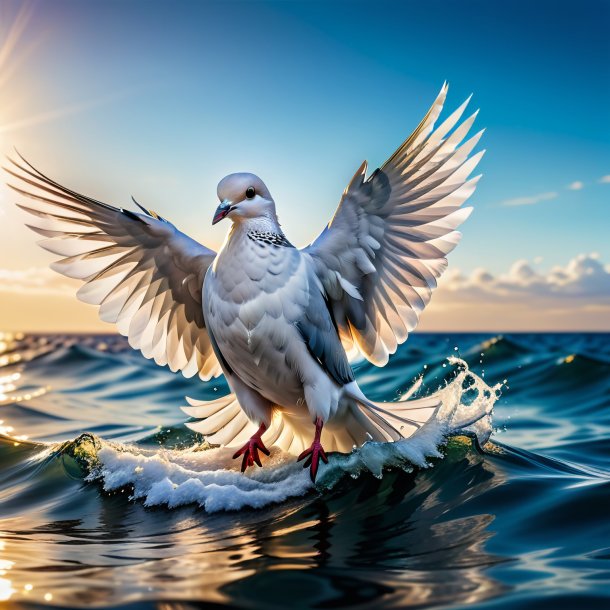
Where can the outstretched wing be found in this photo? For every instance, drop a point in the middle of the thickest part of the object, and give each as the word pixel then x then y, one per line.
pixel 381 254
pixel 145 275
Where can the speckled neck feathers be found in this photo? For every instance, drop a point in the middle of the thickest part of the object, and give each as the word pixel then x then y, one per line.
pixel 264 230
pixel 270 238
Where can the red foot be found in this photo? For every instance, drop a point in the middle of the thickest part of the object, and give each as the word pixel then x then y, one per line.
pixel 250 450
pixel 314 453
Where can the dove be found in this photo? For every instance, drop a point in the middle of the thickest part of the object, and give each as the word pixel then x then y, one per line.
pixel 282 324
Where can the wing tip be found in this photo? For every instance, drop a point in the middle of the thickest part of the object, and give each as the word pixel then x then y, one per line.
pixel 468 210
pixel 358 177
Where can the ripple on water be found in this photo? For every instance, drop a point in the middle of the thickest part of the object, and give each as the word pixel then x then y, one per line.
pixel 139 510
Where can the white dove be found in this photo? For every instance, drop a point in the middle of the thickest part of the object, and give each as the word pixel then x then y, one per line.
pixel 278 321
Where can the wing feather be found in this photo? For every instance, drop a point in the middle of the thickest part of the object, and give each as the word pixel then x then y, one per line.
pixel 380 256
pixel 144 274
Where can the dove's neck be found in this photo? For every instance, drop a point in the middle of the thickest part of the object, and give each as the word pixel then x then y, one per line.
pixel 265 223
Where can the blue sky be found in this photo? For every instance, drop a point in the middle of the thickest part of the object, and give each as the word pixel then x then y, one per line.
pixel 162 99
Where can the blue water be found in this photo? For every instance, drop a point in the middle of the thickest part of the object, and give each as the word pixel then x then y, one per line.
pixel 103 503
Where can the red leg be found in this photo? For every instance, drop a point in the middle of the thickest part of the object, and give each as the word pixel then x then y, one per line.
pixel 250 449
pixel 315 452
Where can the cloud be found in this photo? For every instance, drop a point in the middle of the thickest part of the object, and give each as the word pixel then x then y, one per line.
pixel 34 281
pixel 577 185
pixel 574 296
pixel 571 297
pixel 531 200
pixel 585 278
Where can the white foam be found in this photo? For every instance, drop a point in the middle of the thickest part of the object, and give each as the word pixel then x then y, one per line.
pixel 212 479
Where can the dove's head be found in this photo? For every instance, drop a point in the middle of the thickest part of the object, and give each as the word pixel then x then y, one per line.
pixel 243 196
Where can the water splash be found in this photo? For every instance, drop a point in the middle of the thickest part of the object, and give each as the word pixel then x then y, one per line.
pixel 211 478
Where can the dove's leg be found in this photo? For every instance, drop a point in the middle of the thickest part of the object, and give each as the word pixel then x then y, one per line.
pixel 259 410
pixel 250 449
pixel 315 452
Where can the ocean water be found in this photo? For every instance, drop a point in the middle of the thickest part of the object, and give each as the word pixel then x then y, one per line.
pixel 108 500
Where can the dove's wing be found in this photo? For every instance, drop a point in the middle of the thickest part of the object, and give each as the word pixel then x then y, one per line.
pixel 145 275
pixel 381 254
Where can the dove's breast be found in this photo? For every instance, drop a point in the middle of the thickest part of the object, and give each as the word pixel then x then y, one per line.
pixel 253 295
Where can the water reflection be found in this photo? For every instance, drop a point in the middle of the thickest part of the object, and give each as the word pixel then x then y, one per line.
pixel 400 541
pixel 391 541
pixel 6 585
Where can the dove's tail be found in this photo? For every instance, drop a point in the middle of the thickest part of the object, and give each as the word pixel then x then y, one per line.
pixel 392 421
pixel 223 422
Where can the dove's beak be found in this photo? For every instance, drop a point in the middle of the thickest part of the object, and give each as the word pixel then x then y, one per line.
pixel 222 210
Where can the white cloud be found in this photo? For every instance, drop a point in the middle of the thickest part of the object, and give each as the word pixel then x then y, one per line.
pixel 584 278
pixel 34 281
pixel 577 185
pixel 531 200
pixel 525 297
pixel 570 297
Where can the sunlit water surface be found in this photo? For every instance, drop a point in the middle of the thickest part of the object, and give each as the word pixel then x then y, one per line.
pixel 106 499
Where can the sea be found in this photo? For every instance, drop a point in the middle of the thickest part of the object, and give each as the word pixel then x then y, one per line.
pixel 107 500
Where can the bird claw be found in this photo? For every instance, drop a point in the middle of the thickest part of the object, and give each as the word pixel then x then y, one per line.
pixel 250 452
pixel 313 455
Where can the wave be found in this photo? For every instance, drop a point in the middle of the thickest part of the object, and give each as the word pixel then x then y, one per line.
pixel 171 467
pixel 140 500
pixel 210 477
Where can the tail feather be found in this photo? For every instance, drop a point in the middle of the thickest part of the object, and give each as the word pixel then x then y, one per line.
pixel 401 418
pixel 227 436
pixel 223 422
pixel 206 408
pixel 386 429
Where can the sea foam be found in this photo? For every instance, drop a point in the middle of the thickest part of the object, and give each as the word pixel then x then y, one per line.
pixel 211 478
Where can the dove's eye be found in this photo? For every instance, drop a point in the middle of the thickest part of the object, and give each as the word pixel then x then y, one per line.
pixel 250 192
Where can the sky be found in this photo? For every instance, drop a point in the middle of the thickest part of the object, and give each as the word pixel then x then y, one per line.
pixel 160 100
